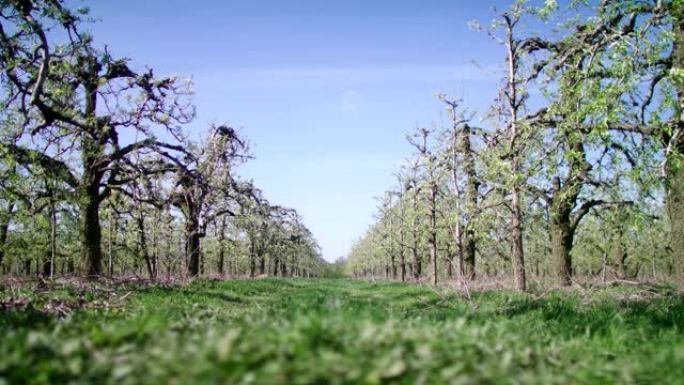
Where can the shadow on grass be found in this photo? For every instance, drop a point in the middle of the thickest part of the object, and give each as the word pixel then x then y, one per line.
pixel 569 317
pixel 28 317
pixel 189 293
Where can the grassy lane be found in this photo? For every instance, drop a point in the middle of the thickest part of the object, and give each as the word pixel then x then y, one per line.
pixel 337 332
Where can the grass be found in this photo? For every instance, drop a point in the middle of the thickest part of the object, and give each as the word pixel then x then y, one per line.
pixel 338 332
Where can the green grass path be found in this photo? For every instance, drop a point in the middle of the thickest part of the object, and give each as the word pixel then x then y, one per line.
pixel 340 332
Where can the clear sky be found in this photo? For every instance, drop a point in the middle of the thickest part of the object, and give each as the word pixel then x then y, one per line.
pixel 324 90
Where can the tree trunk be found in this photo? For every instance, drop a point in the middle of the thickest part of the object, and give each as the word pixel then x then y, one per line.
pixel 192 245
pixel 252 260
pixel 416 258
pixel 142 241
pixel 70 266
pixel 92 234
pixel 276 266
pixel 518 258
pixel 262 263
pixel 402 255
pixel 416 264
pixel 92 157
pixel 515 104
pixel 560 227
pixel 458 234
pixel 469 247
pixel 283 268
pixel 221 240
pixel 458 239
pixel 433 232
pixel 674 185
pixel 393 263
pixel 563 201
pixel 154 256
pixel 53 237
pixel 183 246
pixel 472 187
pixel 4 230
pixel 620 257
pixel 450 265
pixel 675 212
pixel 201 258
pixel 112 229
pixel 46 271
pixel 561 242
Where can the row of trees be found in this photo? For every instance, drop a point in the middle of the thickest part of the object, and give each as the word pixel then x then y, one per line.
pixel 95 155
pixel 575 170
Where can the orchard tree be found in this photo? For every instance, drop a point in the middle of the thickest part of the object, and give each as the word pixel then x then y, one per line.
pixel 509 145
pixel 614 76
pixel 205 187
pixel 78 101
pixel 460 157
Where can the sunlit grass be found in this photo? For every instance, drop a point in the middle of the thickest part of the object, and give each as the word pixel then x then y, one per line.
pixel 342 332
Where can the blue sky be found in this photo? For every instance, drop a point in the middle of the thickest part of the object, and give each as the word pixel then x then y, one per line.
pixel 324 91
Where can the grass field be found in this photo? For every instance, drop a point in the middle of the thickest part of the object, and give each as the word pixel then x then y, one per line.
pixel 337 332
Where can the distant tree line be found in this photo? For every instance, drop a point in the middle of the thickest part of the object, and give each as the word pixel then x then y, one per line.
pixel 100 177
pixel 576 170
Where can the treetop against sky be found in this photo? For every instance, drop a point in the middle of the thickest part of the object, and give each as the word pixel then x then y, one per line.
pixel 323 91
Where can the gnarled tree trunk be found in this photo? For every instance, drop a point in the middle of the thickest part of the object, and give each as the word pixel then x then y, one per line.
pixel 518 257
pixel 675 211
pixel 675 169
pixel 91 234
pixel 416 257
pixel 561 242
pixel 4 230
pixel 562 232
pixel 472 186
pixel 433 231
pixel 221 240
pixel 192 245
pixel 142 242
